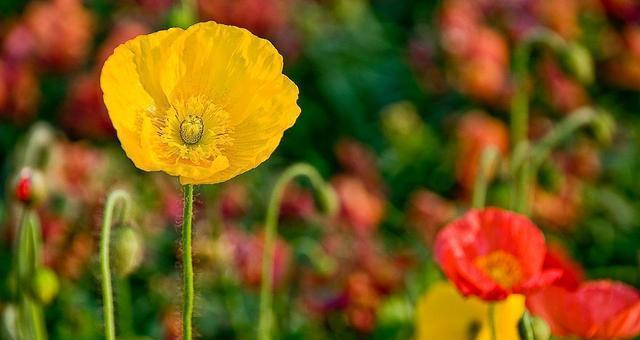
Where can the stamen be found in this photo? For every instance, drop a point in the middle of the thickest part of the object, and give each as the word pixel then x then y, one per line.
pixel 191 129
pixel 500 266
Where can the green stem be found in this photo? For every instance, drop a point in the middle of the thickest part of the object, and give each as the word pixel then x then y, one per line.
pixel 491 313
pixel 520 109
pixel 566 128
pixel 187 263
pixel 265 329
pixel 488 160
pixel 107 290
pixel 123 297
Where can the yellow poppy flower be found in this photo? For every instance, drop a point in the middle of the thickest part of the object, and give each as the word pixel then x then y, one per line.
pixel 205 104
pixel 442 313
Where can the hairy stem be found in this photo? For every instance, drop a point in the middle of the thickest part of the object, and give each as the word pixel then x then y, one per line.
pixel 187 263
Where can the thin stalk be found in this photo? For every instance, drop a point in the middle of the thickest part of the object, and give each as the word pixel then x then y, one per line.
pixel 187 263
pixel 520 109
pixel 265 324
pixel 107 290
pixel 123 302
pixel 488 160
pixel 491 313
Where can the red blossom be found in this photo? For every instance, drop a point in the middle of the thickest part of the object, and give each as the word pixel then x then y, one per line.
pixel 558 258
pixel 360 208
pixel 492 253
pixel 596 310
pixel 477 131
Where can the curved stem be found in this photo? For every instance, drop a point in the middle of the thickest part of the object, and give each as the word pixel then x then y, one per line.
pixel 107 290
pixel 488 159
pixel 187 263
pixel 265 330
pixel 520 107
pixel 574 121
pixel 40 139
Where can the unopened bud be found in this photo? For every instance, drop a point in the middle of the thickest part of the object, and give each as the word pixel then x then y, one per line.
pixel 604 127
pixel 128 249
pixel 45 285
pixel 577 60
pixel 30 188
pixel 328 200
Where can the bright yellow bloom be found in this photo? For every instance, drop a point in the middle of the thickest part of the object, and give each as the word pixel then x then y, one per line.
pixel 442 313
pixel 205 104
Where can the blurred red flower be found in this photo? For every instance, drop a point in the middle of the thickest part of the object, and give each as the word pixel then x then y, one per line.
pixel 477 131
pixel 19 91
pixel 596 310
pixel 360 161
pixel 84 112
pixel 247 250
pixel 297 203
pixel 564 93
pixel 58 33
pixel 560 208
pixel 360 208
pixel 233 201
pixel 262 17
pixel 428 212
pixel 558 258
pixel 492 253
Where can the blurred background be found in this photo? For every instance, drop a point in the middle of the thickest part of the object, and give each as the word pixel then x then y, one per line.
pixel 398 98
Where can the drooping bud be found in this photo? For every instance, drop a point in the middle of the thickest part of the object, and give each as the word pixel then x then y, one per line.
pixel 604 127
pixel 128 249
pixel 577 61
pixel 30 188
pixel 45 285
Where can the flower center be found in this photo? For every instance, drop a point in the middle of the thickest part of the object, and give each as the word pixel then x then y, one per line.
pixel 500 266
pixel 191 129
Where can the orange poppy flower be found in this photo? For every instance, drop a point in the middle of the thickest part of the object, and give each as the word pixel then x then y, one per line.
pixel 492 253
pixel 596 310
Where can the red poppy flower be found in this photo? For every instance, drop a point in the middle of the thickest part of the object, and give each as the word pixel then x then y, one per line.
pixel 558 258
pixel 597 310
pixel 492 253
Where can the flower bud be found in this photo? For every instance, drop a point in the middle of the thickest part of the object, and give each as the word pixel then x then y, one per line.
pixel 45 285
pixel 541 330
pixel 604 127
pixel 30 188
pixel 577 61
pixel 328 200
pixel 128 249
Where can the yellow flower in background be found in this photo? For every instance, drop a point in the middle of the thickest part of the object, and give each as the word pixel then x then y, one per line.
pixel 205 104
pixel 442 313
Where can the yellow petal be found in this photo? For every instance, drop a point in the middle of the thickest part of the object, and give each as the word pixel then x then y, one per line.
pixel 443 313
pixel 127 99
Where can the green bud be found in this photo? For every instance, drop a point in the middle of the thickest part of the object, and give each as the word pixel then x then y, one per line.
pixel 30 188
pixel 328 200
pixel 128 249
pixel 577 61
pixel 541 330
pixel 9 322
pixel 395 310
pixel 604 127
pixel 401 121
pixel 45 285
pixel 182 16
